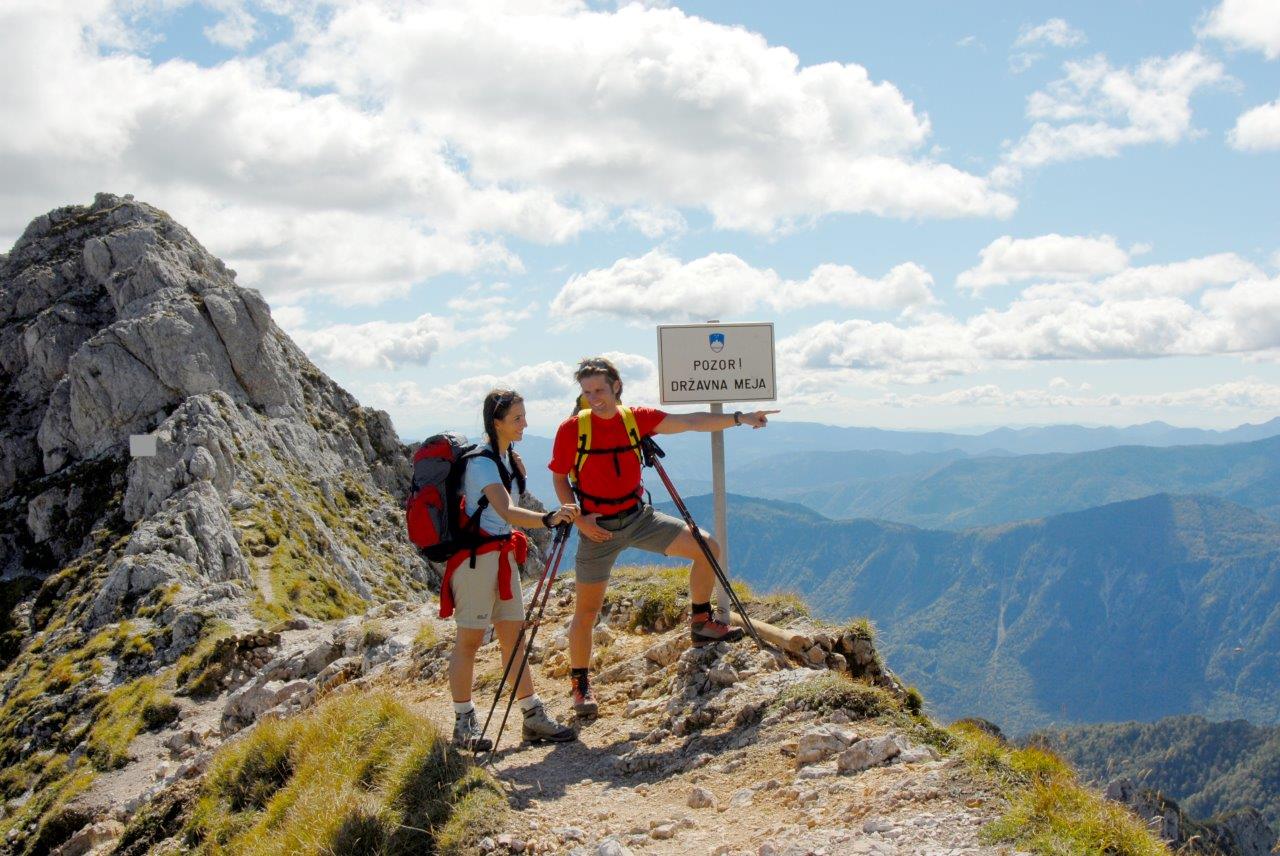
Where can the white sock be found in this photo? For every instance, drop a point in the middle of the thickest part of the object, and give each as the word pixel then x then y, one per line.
pixel 461 707
pixel 528 704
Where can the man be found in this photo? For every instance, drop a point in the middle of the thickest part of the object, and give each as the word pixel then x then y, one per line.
pixel 601 454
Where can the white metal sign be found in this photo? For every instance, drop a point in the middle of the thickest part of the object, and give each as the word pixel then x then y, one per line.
pixel 707 363
pixel 142 445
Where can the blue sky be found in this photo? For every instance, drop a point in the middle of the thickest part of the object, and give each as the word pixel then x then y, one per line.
pixel 957 215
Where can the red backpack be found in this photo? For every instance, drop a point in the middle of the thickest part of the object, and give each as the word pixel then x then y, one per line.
pixel 435 512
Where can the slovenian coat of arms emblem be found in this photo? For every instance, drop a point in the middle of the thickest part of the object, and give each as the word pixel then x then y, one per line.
pixel 717 342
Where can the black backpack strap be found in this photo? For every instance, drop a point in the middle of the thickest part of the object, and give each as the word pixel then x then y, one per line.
pixel 611 500
pixel 515 471
pixel 503 473
pixel 615 451
pixel 472 530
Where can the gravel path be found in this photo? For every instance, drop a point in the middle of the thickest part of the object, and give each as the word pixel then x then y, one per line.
pixel 751 796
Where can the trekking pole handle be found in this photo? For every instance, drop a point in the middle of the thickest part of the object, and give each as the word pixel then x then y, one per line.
pixel 652 451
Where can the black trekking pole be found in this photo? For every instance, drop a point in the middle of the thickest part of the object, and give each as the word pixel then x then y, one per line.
pixel 553 563
pixel 652 453
pixel 557 547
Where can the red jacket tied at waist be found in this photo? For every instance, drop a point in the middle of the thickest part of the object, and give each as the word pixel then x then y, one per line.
pixel 518 543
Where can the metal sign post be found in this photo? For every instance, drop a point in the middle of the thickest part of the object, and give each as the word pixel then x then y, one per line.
pixel 721 514
pixel 714 363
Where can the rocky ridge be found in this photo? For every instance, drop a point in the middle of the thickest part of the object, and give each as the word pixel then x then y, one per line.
pixel 272 496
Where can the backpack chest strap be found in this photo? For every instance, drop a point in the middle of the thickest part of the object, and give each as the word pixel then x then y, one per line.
pixel 585 447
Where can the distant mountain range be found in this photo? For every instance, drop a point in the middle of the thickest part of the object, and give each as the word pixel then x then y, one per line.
pixel 1210 768
pixel 1133 610
pixel 753 458
pixel 950 491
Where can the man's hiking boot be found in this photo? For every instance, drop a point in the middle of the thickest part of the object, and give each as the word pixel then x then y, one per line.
pixel 466 733
pixel 705 630
pixel 541 728
pixel 584 701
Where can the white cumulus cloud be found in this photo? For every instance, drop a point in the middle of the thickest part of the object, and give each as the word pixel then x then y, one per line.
pixel 1215 305
pixel 386 344
pixel 1257 130
pixel 298 191
pixel 659 287
pixel 386 143
pixel 548 383
pixel 1098 111
pixel 645 106
pixel 1249 24
pixel 1047 257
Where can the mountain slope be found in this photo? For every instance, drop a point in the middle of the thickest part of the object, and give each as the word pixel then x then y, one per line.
pixel 1209 767
pixel 1139 609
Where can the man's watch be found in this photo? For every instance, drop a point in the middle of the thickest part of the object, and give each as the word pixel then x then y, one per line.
pixel 546 519
pixel 737 417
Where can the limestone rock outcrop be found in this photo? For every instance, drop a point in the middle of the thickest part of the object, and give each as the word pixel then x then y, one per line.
pixel 272 493
pixel 1240 833
pixel 115 321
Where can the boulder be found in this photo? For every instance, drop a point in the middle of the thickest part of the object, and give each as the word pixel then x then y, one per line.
pixel 248 703
pixel 822 741
pixel 870 752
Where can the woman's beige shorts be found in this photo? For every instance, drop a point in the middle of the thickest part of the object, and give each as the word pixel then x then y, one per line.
pixel 475 593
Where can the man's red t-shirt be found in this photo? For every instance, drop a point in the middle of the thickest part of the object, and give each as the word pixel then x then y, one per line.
pixel 599 475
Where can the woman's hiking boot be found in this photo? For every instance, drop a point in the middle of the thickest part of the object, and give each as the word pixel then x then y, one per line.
pixel 466 733
pixel 705 630
pixel 541 728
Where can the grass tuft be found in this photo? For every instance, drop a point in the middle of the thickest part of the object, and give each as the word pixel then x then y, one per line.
pixel 159 712
pixel 861 628
pixel 374 633
pixel 360 773
pixel 1049 811
pixel 119 719
pixel 914 702
pixel 830 691
pixel 427 637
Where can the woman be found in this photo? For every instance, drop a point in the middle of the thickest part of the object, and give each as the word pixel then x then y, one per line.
pixel 488 589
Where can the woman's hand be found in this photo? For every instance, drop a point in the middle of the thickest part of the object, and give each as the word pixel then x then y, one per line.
pixel 591 530
pixel 564 514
